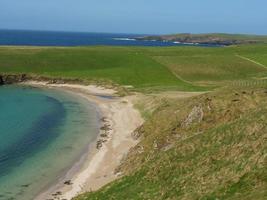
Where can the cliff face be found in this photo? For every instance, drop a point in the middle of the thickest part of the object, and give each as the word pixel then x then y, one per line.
pixel 6 79
pixel 12 78
pixel 1 80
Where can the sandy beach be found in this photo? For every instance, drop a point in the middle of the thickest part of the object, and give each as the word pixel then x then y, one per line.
pixel 96 167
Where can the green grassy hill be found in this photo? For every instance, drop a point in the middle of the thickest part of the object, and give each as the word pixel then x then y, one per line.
pixel 208 147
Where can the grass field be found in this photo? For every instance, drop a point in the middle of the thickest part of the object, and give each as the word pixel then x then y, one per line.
pixel 120 65
pixel 215 65
pixel 180 68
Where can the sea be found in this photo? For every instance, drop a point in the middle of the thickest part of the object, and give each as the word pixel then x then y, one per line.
pixel 60 38
pixel 42 133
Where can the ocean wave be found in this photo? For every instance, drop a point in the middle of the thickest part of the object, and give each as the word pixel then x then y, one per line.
pixel 125 39
pixel 186 43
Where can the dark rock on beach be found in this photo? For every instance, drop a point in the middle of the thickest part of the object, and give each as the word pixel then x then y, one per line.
pixel 105 127
pixel 58 193
pixel 68 182
pixel 99 144
pixel 103 119
pixel 25 185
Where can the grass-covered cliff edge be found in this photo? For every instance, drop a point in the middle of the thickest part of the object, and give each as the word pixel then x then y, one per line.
pixel 211 146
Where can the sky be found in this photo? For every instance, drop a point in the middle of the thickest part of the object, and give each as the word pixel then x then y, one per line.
pixel 136 16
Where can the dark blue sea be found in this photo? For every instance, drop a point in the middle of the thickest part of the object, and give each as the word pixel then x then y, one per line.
pixel 52 38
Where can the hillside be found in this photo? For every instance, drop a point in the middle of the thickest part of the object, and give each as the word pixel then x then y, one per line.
pixel 211 146
pixel 208 147
pixel 215 38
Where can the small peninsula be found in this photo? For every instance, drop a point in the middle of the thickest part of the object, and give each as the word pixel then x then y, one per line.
pixel 208 39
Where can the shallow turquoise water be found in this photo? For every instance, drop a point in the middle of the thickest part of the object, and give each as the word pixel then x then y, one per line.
pixel 42 133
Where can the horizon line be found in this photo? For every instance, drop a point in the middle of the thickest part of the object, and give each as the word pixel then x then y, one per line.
pixel 100 32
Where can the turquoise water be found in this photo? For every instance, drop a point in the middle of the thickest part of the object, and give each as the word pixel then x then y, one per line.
pixel 42 133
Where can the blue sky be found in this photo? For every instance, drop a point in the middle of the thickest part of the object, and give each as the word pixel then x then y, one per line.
pixel 136 16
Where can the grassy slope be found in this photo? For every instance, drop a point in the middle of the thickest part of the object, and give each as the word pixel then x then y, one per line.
pixel 214 65
pixel 182 68
pixel 221 155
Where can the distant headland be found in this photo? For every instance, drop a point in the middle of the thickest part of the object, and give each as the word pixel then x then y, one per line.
pixel 208 39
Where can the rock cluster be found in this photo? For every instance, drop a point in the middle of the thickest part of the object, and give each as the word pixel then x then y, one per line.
pixel 105 130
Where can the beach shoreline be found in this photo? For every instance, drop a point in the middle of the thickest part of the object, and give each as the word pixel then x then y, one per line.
pixel 97 165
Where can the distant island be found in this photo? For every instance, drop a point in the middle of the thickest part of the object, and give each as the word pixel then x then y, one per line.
pixel 209 39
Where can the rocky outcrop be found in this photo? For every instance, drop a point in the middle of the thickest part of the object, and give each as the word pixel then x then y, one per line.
pixel 195 116
pixel 6 79
pixel 12 78
pixel 1 80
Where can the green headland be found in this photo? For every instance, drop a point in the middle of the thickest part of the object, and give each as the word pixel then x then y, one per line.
pixel 211 38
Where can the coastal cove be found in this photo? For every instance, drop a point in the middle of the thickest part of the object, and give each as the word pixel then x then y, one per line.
pixel 133 100
pixel 43 131
pixel 98 154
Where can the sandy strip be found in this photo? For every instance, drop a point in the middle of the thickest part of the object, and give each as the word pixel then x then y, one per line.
pixel 97 167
